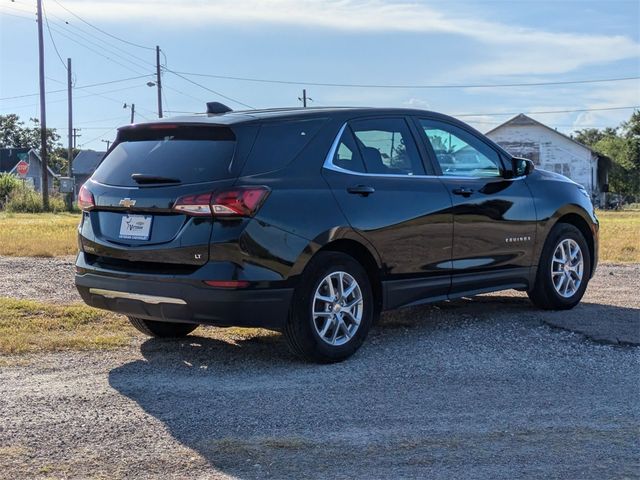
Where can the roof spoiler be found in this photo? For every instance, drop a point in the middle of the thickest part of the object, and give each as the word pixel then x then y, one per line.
pixel 217 108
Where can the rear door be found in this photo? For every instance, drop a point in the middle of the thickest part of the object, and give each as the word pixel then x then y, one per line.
pixel 139 181
pixel 376 172
pixel 494 216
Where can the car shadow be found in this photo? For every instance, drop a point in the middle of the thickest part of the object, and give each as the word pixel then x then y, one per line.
pixel 248 407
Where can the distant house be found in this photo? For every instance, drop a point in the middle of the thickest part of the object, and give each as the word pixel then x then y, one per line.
pixel 10 157
pixel 522 136
pixel 84 164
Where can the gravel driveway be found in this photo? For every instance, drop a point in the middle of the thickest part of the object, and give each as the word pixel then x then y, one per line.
pixel 476 388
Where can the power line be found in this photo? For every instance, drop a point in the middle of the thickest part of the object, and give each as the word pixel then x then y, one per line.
pixel 55 47
pixel 64 23
pixel 12 7
pixel 545 112
pixel 102 31
pixel 181 93
pixel 96 138
pixel 90 94
pixel 80 87
pixel 365 85
pixel 53 80
pixel 97 51
pixel 209 89
pixel 17 16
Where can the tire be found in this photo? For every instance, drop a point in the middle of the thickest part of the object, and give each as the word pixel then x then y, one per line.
pixel 545 293
pixel 335 335
pixel 162 329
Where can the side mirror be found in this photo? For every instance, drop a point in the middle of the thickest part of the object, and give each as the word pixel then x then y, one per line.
pixel 522 166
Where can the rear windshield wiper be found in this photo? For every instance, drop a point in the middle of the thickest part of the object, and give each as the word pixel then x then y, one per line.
pixel 143 178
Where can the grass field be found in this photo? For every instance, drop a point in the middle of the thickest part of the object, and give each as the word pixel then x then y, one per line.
pixel 48 235
pixel 27 326
pixel 619 236
pixel 38 234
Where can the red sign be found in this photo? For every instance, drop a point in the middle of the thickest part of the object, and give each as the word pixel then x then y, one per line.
pixel 22 168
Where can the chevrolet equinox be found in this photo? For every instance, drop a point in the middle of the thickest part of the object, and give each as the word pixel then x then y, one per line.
pixel 312 221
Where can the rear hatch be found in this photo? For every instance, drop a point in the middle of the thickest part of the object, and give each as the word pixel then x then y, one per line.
pixel 139 181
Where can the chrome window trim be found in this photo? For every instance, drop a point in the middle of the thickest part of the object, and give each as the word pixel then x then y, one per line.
pixel 328 164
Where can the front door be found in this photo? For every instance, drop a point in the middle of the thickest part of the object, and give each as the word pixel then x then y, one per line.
pixel 377 175
pixel 494 215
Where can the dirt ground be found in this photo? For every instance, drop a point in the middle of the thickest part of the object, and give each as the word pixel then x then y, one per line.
pixel 484 388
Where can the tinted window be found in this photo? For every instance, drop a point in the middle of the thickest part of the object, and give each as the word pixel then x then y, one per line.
pixel 189 154
pixel 348 155
pixel 387 147
pixel 278 144
pixel 459 153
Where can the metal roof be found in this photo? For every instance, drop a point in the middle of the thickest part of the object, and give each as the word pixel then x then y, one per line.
pixel 86 161
pixel 523 120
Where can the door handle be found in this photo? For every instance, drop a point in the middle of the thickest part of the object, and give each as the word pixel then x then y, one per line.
pixel 465 192
pixel 363 190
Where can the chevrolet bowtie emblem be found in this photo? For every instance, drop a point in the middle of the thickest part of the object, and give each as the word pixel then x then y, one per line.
pixel 127 203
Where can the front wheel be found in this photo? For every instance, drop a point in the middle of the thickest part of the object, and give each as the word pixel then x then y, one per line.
pixel 332 309
pixel 156 329
pixel 563 271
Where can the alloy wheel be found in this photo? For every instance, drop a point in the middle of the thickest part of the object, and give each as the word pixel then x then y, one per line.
pixel 337 308
pixel 567 268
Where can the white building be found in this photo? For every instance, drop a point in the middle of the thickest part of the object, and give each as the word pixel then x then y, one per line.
pixel 549 149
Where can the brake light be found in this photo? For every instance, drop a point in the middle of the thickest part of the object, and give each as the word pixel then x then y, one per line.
pixel 243 201
pixel 85 199
pixel 237 202
pixel 197 205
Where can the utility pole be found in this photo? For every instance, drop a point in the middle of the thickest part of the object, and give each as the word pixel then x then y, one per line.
pixel 75 136
pixel 304 98
pixel 43 113
pixel 158 81
pixel 108 142
pixel 71 132
pixel 133 110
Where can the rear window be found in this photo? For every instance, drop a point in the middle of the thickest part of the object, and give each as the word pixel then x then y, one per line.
pixel 189 154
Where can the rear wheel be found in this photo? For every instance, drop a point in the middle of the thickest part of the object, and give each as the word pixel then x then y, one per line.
pixel 156 329
pixel 332 309
pixel 563 271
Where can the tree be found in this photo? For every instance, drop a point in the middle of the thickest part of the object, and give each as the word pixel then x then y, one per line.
pixel 624 176
pixel 591 136
pixel 622 146
pixel 15 134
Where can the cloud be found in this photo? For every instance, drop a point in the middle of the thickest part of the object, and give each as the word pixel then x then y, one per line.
pixel 414 102
pixel 626 94
pixel 510 49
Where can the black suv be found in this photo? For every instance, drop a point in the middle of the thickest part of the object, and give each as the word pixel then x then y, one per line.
pixel 312 221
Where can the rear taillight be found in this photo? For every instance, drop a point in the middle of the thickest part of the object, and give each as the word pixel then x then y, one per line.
pixel 85 199
pixel 198 205
pixel 237 202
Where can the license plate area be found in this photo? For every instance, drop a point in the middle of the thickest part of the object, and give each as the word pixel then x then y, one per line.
pixel 135 227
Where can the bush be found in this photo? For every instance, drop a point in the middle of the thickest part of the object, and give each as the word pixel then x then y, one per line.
pixel 8 183
pixel 24 199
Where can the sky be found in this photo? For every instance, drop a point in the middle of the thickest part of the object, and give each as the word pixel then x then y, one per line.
pixel 380 43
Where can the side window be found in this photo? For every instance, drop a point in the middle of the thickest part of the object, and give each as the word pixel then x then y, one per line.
pixel 459 153
pixel 387 146
pixel 347 155
pixel 287 138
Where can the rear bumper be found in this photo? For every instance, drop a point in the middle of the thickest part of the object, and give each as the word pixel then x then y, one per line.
pixel 181 298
